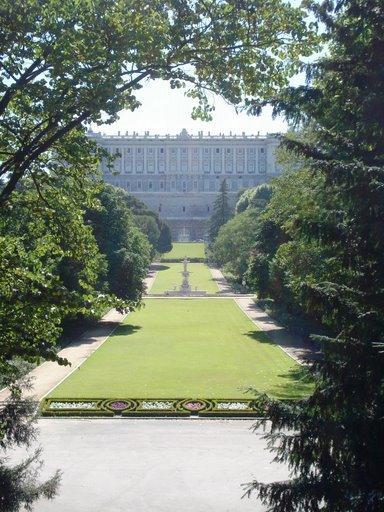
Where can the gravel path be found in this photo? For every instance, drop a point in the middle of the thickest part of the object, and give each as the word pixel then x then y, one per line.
pixel 151 465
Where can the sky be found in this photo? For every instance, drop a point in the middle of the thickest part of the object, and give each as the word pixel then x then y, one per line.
pixel 165 110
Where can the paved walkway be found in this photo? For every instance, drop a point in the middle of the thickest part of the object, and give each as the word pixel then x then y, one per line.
pixel 136 465
pixel 150 279
pixel 49 374
pixel 220 280
pixel 292 344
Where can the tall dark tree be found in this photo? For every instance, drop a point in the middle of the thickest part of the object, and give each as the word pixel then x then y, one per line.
pixel 222 211
pixel 334 441
pixel 164 243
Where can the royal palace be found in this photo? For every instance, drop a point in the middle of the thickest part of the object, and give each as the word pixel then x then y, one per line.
pixel 179 176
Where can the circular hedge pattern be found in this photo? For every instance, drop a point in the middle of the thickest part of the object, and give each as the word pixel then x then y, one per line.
pixel 120 405
pixel 194 405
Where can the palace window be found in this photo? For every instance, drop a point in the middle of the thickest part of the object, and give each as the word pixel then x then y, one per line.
pixel 217 150
pixel 139 184
pixel 150 185
pixel 183 208
pixel 161 185
pixel 159 207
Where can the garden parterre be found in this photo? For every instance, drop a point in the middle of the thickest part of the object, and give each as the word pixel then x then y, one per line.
pixel 202 351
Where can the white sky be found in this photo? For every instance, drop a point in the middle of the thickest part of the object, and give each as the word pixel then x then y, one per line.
pixel 165 110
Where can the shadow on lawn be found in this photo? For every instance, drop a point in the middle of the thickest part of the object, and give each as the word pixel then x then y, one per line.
pixel 259 336
pixel 296 384
pixel 159 268
pixel 126 330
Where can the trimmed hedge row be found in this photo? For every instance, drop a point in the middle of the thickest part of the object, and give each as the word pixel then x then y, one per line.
pixel 180 260
pixel 151 407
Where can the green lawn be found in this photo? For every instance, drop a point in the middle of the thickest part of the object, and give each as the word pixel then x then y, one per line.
pixel 189 249
pixel 169 276
pixel 176 348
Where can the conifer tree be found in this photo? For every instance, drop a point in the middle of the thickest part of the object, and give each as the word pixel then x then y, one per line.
pixel 221 211
pixel 334 441
pixel 164 243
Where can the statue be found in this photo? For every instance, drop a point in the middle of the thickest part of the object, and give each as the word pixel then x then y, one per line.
pixel 185 286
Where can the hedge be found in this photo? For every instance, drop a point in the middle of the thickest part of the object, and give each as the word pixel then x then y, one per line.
pixel 180 260
pixel 150 407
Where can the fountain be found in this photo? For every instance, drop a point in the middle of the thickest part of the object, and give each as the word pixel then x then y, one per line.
pixel 185 289
pixel 185 286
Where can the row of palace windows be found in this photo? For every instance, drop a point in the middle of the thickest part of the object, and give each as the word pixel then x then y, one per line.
pixel 209 186
pixel 240 151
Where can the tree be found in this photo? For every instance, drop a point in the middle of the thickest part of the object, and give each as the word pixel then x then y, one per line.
pixel 126 248
pixel 233 245
pixel 334 441
pixel 221 211
pixel 164 243
pixel 64 64
pixel 257 197
pixel 19 486
pixel 157 231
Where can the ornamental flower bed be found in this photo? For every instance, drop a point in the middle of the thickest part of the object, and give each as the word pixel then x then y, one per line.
pixel 73 405
pixel 232 406
pixel 158 405
pixel 150 407
pixel 118 405
pixel 194 406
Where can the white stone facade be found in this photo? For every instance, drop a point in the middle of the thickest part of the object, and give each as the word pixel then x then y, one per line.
pixel 179 176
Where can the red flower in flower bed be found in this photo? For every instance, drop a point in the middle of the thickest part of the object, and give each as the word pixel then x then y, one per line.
pixel 194 406
pixel 119 405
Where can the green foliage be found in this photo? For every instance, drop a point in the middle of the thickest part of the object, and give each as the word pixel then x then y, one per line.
pixel 221 211
pixel 19 485
pixel 164 242
pixel 126 248
pixel 157 231
pixel 232 246
pixel 66 63
pixel 333 266
pixel 236 239
pixel 49 270
pixel 257 197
